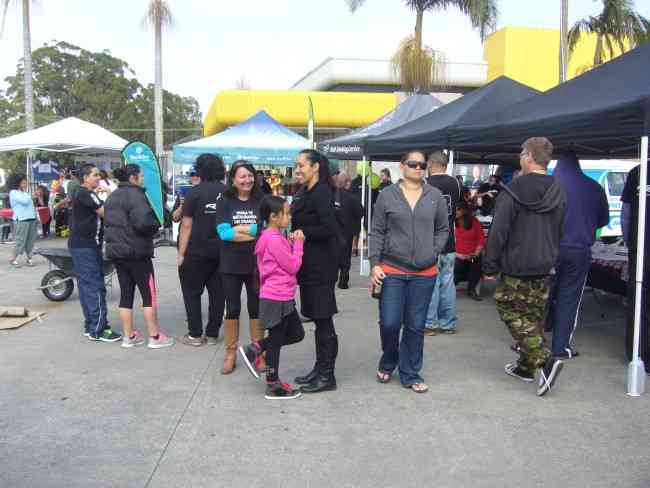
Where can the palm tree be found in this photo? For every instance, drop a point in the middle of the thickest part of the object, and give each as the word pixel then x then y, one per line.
pixel 159 16
pixel 616 25
pixel 419 67
pixel 27 68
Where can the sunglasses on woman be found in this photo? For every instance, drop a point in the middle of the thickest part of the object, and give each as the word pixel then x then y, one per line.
pixel 416 164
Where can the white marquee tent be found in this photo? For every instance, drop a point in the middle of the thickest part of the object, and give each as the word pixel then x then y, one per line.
pixel 70 135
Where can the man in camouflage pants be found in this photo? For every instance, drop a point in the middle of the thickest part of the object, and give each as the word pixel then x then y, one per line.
pixel 523 246
pixel 521 305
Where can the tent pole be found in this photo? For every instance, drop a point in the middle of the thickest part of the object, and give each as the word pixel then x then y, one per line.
pixel 450 167
pixel 636 369
pixel 364 266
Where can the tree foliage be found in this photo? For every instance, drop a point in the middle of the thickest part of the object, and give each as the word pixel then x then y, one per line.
pixel 94 86
pixel 617 24
pixel 420 67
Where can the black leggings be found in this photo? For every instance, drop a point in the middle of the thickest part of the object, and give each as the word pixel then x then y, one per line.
pixel 232 285
pixel 136 273
pixel 289 331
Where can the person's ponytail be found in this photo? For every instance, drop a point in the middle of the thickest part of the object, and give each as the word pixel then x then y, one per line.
pixel 123 173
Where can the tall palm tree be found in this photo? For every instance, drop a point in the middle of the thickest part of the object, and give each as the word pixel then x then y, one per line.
pixel 158 16
pixel 419 67
pixel 27 68
pixel 618 23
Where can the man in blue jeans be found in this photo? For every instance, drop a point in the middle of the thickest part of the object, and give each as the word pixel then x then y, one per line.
pixel 441 315
pixel 85 244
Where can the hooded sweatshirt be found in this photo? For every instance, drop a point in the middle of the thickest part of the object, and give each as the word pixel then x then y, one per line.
pixel 408 239
pixel 278 264
pixel 527 228
pixel 587 205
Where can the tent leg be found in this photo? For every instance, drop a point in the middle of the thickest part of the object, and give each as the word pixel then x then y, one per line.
pixel 636 369
pixel 450 166
pixel 364 263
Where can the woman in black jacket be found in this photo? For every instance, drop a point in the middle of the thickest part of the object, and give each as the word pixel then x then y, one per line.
pixel 129 227
pixel 313 213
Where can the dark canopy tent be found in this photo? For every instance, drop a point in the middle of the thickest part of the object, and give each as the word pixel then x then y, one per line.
pixel 432 131
pixel 352 145
pixel 600 114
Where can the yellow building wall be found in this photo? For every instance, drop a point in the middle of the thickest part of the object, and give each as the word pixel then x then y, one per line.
pixel 291 108
pixel 532 56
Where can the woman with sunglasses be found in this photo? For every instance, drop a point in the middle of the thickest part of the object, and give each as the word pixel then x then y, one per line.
pixel 409 229
pixel 238 217
pixel 313 213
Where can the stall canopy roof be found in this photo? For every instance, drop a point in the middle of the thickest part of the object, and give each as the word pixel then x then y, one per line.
pixel 260 140
pixel 68 135
pixel 432 130
pixel 351 146
pixel 602 113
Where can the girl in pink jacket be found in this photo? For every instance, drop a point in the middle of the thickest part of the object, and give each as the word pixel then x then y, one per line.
pixel 278 263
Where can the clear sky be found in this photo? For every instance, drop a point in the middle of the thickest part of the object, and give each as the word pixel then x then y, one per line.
pixel 270 43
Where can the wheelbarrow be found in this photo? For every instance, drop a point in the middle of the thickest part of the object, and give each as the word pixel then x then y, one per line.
pixel 58 283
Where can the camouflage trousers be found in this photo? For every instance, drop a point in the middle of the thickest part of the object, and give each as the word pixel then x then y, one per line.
pixel 521 305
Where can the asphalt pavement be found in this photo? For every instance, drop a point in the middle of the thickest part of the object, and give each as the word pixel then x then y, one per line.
pixel 75 413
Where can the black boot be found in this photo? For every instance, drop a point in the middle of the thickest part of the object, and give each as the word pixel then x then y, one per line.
pixel 325 380
pixel 344 280
pixel 311 376
pixel 471 293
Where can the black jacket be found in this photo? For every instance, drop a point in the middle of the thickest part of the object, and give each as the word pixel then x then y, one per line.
pixel 130 224
pixel 349 212
pixel 313 212
pixel 525 235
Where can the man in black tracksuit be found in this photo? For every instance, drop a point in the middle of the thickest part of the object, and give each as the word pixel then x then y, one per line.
pixel 349 213
pixel 198 251
pixel 523 246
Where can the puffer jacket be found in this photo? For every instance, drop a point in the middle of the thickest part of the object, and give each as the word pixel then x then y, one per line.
pixel 129 224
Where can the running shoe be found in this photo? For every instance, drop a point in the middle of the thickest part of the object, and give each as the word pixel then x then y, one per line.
pixel 252 356
pixel 277 390
pixel 516 372
pixel 163 340
pixel 548 374
pixel 188 340
pixel 106 336
pixel 568 353
pixel 136 339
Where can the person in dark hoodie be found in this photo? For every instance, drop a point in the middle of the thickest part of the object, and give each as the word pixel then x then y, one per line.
pixel 130 226
pixel 523 246
pixel 410 228
pixel 587 211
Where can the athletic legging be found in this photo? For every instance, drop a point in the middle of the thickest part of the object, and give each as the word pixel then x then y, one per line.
pixel 289 331
pixel 232 286
pixel 136 273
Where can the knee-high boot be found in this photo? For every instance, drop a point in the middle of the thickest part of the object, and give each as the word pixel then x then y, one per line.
pixel 309 377
pixel 230 341
pixel 324 379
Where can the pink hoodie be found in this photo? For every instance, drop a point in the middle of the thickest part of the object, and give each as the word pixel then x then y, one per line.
pixel 278 265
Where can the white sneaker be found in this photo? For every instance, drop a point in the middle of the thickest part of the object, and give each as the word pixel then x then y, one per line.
pixel 162 341
pixel 136 340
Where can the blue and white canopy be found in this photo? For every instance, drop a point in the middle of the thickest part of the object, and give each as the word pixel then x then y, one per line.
pixel 260 140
